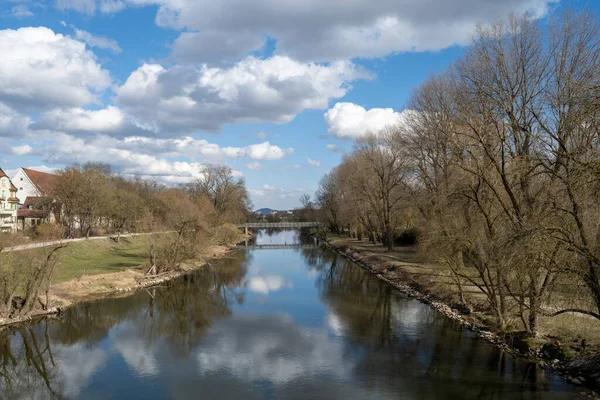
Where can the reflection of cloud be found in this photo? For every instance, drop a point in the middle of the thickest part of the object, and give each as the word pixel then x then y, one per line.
pixel 135 353
pixel 76 366
pixel 273 349
pixel 335 324
pixel 266 284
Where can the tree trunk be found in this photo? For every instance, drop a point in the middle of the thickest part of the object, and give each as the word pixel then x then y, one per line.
pixel 533 306
pixel 389 238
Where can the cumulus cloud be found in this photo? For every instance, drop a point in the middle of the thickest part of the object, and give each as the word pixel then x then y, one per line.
pixel 110 119
pixel 254 90
pixel 21 150
pixel 190 147
pixel 97 41
pixel 351 121
pixel 254 165
pixel 167 160
pixel 12 123
pixel 42 70
pixel 339 30
pixel 312 162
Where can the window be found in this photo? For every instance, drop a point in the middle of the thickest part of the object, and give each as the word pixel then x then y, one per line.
pixel 21 178
pixel 20 188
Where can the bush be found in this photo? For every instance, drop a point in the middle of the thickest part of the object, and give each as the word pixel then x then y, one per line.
pixel 226 234
pixel 47 231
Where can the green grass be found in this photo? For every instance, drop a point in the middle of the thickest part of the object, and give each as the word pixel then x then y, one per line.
pixel 100 257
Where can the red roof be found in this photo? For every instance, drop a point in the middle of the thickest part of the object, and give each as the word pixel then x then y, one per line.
pixel 2 174
pixel 25 213
pixel 12 199
pixel 43 181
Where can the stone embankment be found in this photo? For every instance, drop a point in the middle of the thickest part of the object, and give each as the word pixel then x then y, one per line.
pixel 581 371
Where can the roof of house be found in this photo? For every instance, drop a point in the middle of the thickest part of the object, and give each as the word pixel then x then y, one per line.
pixel 43 181
pixel 25 213
pixel 3 174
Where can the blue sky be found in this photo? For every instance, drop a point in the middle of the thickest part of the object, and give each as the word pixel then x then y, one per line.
pixel 276 90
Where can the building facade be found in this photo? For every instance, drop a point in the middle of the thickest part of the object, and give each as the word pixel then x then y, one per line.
pixel 8 204
pixel 31 183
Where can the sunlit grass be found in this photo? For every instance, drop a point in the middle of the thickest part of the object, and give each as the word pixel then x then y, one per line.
pixel 100 257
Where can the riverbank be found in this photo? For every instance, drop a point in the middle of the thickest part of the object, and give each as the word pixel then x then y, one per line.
pixel 96 269
pixel 418 278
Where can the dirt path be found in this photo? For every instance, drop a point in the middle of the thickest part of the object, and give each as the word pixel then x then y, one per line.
pixel 60 241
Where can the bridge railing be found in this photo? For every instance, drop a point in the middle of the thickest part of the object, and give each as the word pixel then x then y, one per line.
pixel 266 225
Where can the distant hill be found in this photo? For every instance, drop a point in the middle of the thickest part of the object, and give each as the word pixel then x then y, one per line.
pixel 264 211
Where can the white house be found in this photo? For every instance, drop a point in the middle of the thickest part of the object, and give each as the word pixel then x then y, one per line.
pixel 31 183
pixel 8 204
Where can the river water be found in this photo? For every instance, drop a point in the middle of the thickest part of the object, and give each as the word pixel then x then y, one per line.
pixel 268 323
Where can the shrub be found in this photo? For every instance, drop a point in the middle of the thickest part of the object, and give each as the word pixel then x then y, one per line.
pixel 47 231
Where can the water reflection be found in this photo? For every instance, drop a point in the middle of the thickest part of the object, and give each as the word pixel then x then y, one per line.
pixel 295 323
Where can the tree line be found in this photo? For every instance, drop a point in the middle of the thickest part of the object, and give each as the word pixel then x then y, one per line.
pixel 496 165
pixel 181 223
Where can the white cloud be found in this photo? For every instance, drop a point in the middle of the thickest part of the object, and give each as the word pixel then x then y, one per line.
pixel 313 162
pixel 351 121
pixel 269 187
pixel 254 90
pixel 41 70
pixel 254 165
pixel 21 150
pixel 229 29
pixel 190 147
pixel 256 192
pixel 110 119
pixel 261 135
pixel 21 11
pixel 97 41
pixel 167 160
pixel 111 6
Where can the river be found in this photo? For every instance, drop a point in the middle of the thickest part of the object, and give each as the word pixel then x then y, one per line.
pixel 268 323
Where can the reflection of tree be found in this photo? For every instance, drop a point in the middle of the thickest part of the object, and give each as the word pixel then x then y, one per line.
pixel 27 364
pixel 407 347
pixel 180 314
pixel 184 312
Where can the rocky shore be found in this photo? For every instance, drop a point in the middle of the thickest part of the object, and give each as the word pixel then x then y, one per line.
pixel 584 371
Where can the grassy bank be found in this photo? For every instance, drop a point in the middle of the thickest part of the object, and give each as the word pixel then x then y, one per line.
pixel 92 269
pixel 568 343
pixel 100 257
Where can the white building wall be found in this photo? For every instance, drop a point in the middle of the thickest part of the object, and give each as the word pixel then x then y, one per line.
pixel 24 186
pixel 8 210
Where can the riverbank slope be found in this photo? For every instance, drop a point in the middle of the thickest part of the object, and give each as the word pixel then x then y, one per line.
pixel 93 269
pixel 568 344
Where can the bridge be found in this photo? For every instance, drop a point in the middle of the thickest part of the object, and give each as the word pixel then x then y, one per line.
pixel 275 246
pixel 268 225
